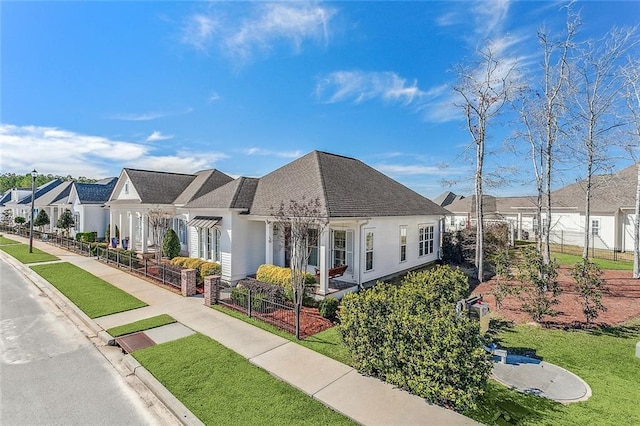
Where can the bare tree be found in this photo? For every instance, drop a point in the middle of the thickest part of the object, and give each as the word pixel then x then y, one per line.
pixel 631 73
pixel 305 223
pixel 484 87
pixel 597 88
pixel 159 221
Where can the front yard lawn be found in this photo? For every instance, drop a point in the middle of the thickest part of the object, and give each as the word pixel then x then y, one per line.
pixel 21 252
pixel 141 325
pixel 604 358
pixel 221 387
pixel 94 296
pixel 571 260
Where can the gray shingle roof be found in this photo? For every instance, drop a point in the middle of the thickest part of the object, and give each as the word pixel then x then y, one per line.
pixel 158 187
pixel 237 194
pixel 447 198
pixel 608 192
pixel 345 187
pixel 41 190
pixel 95 193
pixel 205 182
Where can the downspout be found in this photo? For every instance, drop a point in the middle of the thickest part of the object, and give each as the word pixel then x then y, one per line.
pixel 365 222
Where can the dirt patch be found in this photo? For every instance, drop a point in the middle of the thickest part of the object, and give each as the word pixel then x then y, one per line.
pixel 622 300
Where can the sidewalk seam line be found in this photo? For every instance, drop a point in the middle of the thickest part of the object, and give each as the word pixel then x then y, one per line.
pixel 351 369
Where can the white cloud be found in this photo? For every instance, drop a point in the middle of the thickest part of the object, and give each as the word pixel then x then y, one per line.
pixel 417 169
pixel 259 29
pixel 266 152
pixel 489 16
pixel 145 116
pixel 214 97
pixel 158 136
pixel 360 86
pixel 62 152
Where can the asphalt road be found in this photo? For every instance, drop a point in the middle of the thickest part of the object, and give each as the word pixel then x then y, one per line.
pixel 50 372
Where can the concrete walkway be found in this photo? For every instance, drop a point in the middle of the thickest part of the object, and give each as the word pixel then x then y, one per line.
pixel 366 400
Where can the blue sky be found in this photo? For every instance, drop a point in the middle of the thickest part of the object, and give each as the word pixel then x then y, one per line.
pixel 88 88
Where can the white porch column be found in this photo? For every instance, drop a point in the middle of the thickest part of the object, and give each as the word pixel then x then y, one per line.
pixel 132 235
pixel 519 226
pixel 121 222
pixel 324 261
pixel 112 225
pixel 268 255
pixel 143 232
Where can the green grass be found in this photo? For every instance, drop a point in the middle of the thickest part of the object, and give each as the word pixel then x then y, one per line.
pixel 94 296
pixel 603 358
pixel 570 260
pixel 328 342
pixel 221 387
pixel 144 324
pixel 21 252
pixel 5 240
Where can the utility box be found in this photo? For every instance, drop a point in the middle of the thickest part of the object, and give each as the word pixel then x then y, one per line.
pixel 480 311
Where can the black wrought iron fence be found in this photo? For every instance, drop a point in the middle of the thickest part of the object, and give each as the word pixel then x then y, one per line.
pixel 71 244
pixel 279 313
pixel 149 268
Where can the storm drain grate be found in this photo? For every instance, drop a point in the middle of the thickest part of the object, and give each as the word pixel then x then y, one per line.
pixel 134 342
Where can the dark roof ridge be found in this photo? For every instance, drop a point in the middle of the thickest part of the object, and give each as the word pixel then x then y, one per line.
pixel 159 171
pixel 322 178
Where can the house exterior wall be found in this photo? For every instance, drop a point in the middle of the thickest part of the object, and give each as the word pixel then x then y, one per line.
pixel 93 218
pixel 386 245
pixel 248 246
pixel 126 191
pixel 627 225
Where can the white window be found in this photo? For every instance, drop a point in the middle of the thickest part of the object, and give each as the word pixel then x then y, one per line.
pixel 595 226
pixel 313 247
pixel 403 243
pixel 76 220
pixel 368 251
pixel 126 187
pixel 180 226
pixel 342 248
pixel 425 240
pixel 452 221
pixel 209 244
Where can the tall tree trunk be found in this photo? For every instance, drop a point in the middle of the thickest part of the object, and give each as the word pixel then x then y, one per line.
pixel 479 212
pixel 587 203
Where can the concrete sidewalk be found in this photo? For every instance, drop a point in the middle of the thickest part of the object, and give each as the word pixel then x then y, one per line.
pixel 366 400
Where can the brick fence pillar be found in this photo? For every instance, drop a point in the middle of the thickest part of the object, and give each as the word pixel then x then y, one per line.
pixel 188 282
pixel 211 289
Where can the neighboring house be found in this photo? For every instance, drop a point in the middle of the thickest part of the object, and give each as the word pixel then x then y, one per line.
pixel 376 226
pixel 611 221
pixel 86 201
pixel 447 198
pixel 137 192
pixel 517 212
pixel 20 203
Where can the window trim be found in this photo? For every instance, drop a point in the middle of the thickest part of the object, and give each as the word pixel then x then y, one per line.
pixel 595 228
pixel 368 250
pixel 403 243
pixel 426 237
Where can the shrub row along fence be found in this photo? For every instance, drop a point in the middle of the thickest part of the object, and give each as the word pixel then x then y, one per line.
pixel 245 298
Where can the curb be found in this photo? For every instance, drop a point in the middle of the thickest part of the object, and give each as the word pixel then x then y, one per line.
pixel 173 404
pixel 178 409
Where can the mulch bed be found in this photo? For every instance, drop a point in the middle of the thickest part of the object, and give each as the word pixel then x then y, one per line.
pixel 622 300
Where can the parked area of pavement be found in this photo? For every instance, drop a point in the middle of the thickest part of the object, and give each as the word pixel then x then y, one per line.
pixel 366 400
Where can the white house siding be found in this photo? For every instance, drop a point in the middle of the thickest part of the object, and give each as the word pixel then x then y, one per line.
pixel 93 218
pixel 248 246
pixel 627 225
pixel 386 245
pixel 193 241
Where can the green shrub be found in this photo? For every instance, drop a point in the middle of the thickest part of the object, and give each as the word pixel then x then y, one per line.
pixel 328 307
pixel 411 337
pixel 87 237
pixel 203 267
pixel 280 276
pixel 171 244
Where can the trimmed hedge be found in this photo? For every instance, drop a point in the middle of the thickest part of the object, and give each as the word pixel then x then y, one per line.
pixel 412 337
pixel 203 267
pixel 280 276
pixel 87 237
pixel 328 307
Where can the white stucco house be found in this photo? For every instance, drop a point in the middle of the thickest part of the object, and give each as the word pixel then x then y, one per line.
pixel 137 192
pixel 377 227
pixel 86 201
pixel 20 200
pixel 611 221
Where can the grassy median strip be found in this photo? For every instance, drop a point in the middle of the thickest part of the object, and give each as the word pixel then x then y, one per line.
pixel 221 387
pixel 21 252
pixel 5 240
pixel 328 342
pixel 144 324
pixel 94 296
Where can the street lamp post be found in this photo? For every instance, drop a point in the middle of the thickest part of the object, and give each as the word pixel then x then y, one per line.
pixel 34 174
